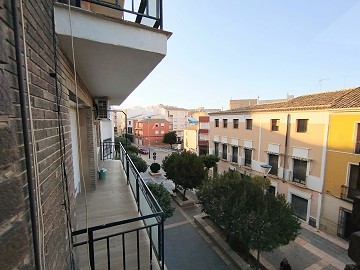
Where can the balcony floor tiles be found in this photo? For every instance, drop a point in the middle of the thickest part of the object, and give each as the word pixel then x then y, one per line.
pixel 112 201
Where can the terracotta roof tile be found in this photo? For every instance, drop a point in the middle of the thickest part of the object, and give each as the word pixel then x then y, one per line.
pixel 342 99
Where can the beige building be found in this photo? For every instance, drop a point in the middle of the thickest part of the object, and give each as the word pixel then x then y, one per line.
pixel 291 136
pixel 191 139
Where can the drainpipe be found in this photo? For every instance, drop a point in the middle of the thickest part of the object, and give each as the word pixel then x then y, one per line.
pixel 286 144
pixel 25 127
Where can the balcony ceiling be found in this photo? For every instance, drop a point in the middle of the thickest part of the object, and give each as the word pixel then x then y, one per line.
pixel 112 56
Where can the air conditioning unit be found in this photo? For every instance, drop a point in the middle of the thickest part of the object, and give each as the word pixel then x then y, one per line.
pixel 102 109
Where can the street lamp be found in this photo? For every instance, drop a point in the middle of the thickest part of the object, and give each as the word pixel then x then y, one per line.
pixel 266 168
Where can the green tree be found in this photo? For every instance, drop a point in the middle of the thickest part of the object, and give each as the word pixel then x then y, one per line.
pixel 210 160
pixel 139 163
pixel 250 216
pixel 170 138
pixel 186 169
pixel 163 197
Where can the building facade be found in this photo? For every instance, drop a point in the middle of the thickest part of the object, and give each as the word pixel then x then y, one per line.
pixel 342 181
pixel 150 132
pixel 291 136
pixel 50 82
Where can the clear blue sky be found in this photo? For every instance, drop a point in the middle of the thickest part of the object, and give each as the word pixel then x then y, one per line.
pixel 222 50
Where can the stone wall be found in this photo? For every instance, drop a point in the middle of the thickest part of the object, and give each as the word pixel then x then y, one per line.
pixel 52 187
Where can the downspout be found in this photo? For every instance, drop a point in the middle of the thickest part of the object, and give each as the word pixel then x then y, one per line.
pixel 29 176
pixel 286 144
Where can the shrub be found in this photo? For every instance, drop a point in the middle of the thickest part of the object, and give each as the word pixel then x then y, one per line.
pixel 163 197
pixel 155 167
pixel 139 163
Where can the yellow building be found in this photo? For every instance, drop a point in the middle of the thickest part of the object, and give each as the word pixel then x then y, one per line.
pixel 191 139
pixel 342 179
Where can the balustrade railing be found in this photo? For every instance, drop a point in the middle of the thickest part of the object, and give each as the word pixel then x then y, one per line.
pixel 146 12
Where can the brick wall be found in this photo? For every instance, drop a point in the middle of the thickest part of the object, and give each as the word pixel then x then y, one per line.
pixel 15 223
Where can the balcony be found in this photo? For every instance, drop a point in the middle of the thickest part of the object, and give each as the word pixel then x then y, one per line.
pixel 110 51
pixel 349 194
pixel 203 143
pixel 121 225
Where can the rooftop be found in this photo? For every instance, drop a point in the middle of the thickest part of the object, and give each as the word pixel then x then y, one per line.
pixel 341 99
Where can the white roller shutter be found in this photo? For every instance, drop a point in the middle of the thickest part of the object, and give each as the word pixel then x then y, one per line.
pixel 74 149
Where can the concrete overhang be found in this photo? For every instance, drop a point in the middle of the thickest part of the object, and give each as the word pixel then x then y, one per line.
pixel 112 56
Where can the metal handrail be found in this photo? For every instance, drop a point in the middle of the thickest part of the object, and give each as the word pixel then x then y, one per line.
pixel 154 220
pixel 142 9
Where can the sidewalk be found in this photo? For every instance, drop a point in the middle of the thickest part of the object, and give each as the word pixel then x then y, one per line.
pixel 312 249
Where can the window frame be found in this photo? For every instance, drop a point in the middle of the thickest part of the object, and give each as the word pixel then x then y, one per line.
pixel 249 124
pixel 274 124
pixel 217 122
pixel 302 128
pixel 235 123
pixel 225 123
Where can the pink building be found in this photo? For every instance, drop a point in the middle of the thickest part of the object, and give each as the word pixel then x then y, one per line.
pixel 150 132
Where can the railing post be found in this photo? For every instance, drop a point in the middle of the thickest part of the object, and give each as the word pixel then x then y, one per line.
pixel 161 15
pixel 138 193
pixel 91 249
pixel 161 241
pixel 127 169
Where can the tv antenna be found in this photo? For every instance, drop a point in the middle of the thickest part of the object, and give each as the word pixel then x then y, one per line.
pixel 321 80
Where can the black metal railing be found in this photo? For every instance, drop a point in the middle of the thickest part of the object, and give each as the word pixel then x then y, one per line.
pixel 349 193
pixel 146 12
pixel 107 244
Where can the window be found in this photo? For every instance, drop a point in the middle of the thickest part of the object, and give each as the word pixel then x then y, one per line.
pixel 272 190
pixel 162 124
pixel 248 154
pixel 357 142
pixel 300 206
pixel 274 163
pixel 216 122
pixel 156 132
pixel 224 153
pixel 302 125
pixel 162 132
pixel 299 174
pixel 156 124
pixel 249 124
pixel 235 154
pixel 225 123
pixel 354 183
pixel 216 145
pixel 130 122
pixel 236 123
pixel 275 124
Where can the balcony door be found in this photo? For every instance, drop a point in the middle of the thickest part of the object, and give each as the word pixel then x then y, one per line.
pixel 354 181
pixel 274 163
pixel 300 167
pixel 248 157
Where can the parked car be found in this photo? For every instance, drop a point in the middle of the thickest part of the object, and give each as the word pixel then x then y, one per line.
pixel 143 151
